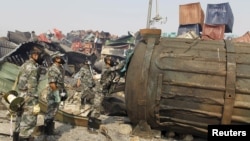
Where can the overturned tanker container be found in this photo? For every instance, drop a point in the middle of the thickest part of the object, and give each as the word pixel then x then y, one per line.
pixel 184 85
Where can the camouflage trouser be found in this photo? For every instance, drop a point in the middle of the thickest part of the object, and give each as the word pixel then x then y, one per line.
pixel 87 95
pixel 19 115
pixel 111 89
pixel 53 100
pixel 97 106
pixel 17 123
pixel 27 120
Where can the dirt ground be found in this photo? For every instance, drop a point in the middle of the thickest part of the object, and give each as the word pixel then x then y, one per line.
pixel 113 129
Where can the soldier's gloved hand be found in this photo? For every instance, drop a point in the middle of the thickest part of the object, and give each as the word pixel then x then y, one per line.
pixel 63 94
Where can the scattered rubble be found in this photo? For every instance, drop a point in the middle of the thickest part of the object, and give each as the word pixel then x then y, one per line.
pixel 114 128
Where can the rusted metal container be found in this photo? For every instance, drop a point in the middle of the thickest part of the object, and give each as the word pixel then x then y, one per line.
pixel 184 85
pixel 213 32
pixel 191 13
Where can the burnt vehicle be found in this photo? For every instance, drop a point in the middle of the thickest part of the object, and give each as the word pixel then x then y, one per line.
pixel 184 85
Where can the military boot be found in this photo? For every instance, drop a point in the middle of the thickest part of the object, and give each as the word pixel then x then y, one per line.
pixel 26 138
pixel 15 136
pixel 23 138
pixel 94 124
pixel 31 138
pixel 49 128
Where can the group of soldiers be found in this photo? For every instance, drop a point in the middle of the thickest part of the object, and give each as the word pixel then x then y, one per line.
pixel 27 86
pixel 94 90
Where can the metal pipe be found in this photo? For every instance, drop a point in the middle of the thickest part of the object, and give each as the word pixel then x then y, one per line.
pixel 149 13
pixel 157 12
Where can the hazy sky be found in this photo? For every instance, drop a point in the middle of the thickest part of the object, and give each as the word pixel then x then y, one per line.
pixel 114 16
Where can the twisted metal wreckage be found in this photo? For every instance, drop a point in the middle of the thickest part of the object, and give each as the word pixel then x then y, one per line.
pixel 181 84
pixel 15 50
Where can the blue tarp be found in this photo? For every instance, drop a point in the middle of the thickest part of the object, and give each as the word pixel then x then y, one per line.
pixel 218 14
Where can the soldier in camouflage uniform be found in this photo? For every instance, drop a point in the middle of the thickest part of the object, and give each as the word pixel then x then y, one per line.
pixel 109 79
pixel 111 75
pixel 86 82
pixel 28 78
pixel 56 90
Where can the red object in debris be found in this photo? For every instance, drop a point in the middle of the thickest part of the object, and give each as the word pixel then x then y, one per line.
pixel 76 46
pixel 42 37
pixel 244 38
pixel 58 34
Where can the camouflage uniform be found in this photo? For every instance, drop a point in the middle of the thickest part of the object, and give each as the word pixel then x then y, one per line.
pixel 27 87
pixel 55 74
pixel 109 79
pixel 97 103
pixel 87 82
